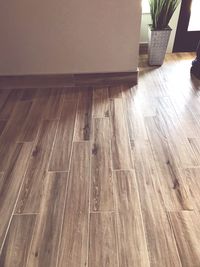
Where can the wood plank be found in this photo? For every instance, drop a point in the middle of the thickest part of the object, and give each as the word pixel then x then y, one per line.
pixel 160 240
pixel 187 233
pixel 172 184
pixel 179 144
pixel 45 243
pixel 2 126
pixel 18 241
pixel 100 103
pixel 9 102
pixel 63 143
pixel 11 133
pixel 131 240
pixel 74 237
pixel 193 182
pixel 54 104
pixel 133 115
pixel 120 145
pixel 83 127
pixel 10 185
pixel 31 125
pixel 115 92
pixel 32 190
pixel 103 240
pixel 101 198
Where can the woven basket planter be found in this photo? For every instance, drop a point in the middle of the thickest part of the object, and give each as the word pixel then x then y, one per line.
pixel 158 41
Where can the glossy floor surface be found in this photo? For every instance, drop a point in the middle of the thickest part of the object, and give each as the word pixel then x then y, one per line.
pixel 103 177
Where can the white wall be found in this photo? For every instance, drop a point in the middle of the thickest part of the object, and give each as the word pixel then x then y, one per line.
pixel 68 36
pixel 146 20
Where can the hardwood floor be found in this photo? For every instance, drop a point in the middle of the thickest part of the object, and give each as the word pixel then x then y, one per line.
pixel 106 176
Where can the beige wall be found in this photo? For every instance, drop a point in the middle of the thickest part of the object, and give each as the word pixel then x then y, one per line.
pixel 146 19
pixel 68 36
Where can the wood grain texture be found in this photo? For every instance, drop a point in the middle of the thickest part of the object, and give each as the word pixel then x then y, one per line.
pixel 186 229
pixel 64 137
pixel 131 239
pixel 2 126
pixel 172 182
pixel 100 107
pixel 9 102
pixel 74 237
pixel 33 120
pixel 160 240
pixel 54 104
pixel 178 142
pixel 11 133
pixel 103 240
pixel 115 91
pixel 18 241
pixel 83 126
pixel 101 198
pixel 33 186
pixel 10 185
pixel 120 145
pixel 45 243
pixel 193 183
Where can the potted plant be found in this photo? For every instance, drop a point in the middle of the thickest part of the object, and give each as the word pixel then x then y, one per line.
pixel 159 31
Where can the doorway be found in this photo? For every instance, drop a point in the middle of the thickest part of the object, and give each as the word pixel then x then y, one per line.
pixel 188 29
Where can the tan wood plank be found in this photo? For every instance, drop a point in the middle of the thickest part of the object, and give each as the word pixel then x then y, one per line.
pixel 131 240
pixel 160 240
pixel 64 137
pixel 103 240
pixel 186 229
pixel 32 190
pixel 31 125
pixel 83 126
pixel 18 241
pixel 54 104
pixel 193 182
pixel 10 185
pixel 100 103
pixel 133 115
pixel 74 237
pixel 120 145
pixel 8 102
pixel 11 133
pixel 172 180
pixel 45 243
pixel 101 198
pixel 179 144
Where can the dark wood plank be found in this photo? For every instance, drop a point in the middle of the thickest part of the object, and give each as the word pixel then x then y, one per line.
pixel 101 198
pixel 45 242
pixel 74 237
pixel 83 127
pixel 54 104
pixel 120 145
pixel 186 228
pixel 103 240
pixel 2 126
pixel 32 190
pixel 18 241
pixel 31 125
pixel 10 185
pixel 63 143
pixel 100 107
pixel 8 104
pixel 131 237
pixel 11 133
